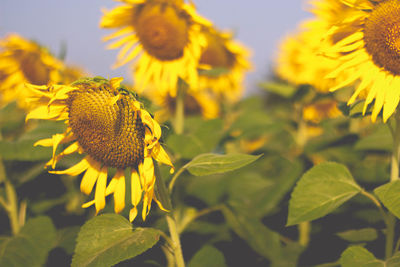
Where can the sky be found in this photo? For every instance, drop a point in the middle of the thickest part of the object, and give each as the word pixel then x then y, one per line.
pixel 259 25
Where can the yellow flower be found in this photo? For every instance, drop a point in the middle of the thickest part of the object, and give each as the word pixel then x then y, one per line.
pixel 71 73
pixel 320 110
pixel 162 35
pixel 23 61
pixel 368 51
pixel 196 103
pixel 227 56
pixel 106 123
pixel 300 61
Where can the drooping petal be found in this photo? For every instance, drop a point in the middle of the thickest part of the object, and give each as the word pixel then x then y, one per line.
pixel 100 193
pixel 90 177
pixel 76 169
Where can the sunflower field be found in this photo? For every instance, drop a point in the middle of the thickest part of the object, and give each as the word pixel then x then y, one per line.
pixel 177 164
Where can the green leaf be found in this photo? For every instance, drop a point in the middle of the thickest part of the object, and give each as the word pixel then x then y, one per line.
pixel 207 256
pixel 23 150
pixel 360 235
pixel 359 256
pixel 379 140
pixel 30 246
pixel 355 110
pixel 394 261
pixel 389 195
pixel 261 239
pixel 320 191
pixel 200 137
pixel 289 172
pixel 11 118
pixel 207 164
pixel 282 89
pixel 66 238
pixel 214 72
pixel 108 239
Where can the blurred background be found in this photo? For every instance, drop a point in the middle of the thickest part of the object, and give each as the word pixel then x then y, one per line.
pixel 259 25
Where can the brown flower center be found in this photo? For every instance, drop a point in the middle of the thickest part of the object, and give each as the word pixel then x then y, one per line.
pixel 216 54
pixel 162 31
pixel 33 68
pixel 111 133
pixel 382 35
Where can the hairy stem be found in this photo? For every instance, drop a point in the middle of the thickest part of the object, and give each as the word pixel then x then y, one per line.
pixel 177 248
pixel 394 175
pixel 11 203
pixel 180 107
pixel 304 233
pixel 164 197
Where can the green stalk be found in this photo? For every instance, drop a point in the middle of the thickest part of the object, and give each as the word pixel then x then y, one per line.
pixel 304 228
pixel 304 233
pixel 173 230
pixel 394 171
pixel 394 175
pixel 180 107
pixel 11 204
pixel 163 196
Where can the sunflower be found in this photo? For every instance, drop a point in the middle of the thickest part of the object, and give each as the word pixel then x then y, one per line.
pixel 202 103
pixel 71 73
pixel 163 36
pixel 109 125
pixel 300 61
pixel 320 110
pixel 369 52
pixel 226 57
pixel 24 61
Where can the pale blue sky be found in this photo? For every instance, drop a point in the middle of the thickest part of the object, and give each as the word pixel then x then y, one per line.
pixel 258 24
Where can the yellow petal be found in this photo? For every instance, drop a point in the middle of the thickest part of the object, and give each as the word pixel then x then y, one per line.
pixel 159 154
pixel 76 169
pixel 136 188
pixel 74 147
pixel 115 82
pixel 132 214
pixel 146 170
pixel 47 113
pixel 90 178
pixel 119 193
pixel 100 193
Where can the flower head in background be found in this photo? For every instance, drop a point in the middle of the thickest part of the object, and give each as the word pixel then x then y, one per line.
pixel 368 49
pixel 71 73
pixel 108 125
pixel 24 61
pixel 321 110
pixel 300 60
pixel 163 38
pixel 226 57
pixel 196 103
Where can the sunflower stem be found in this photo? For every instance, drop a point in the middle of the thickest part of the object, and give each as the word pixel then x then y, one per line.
pixel 173 230
pixel 394 175
pixel 394 171
pixel 11 204
pixel 391 224
pixel 304 228
pixel 304 233
pixel 180 106
pixel 165 198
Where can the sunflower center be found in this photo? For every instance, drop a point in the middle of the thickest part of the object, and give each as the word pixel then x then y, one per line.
pixel 111 133
pixel 382 36
pixel 216 54
pixel 162 31
pixel 32 67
